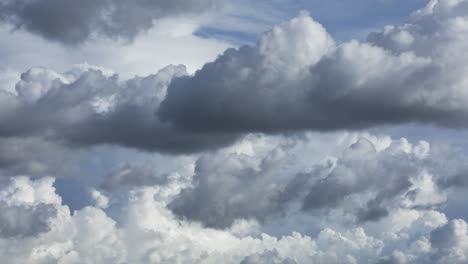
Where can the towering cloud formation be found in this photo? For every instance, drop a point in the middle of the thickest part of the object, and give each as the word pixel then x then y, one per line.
pixel 72 22
pixel 296 78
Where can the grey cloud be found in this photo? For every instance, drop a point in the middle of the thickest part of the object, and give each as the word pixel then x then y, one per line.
pixel 363 169
pixel 457 176
pixel 297 78
pixel 393 187
pixel 459 180
pixel 20 221
pixel 447 235
pixel 72 22
pixel 453 164
pixel 133 175
pixel 145 231
pixel 95 109
pixel 394 259
pixel 270 256
pixel 225 186
pixel 35 156
pixel 365 183
pixel 450 242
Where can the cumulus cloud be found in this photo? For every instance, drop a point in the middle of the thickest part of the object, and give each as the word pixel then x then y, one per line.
pixel 37 156
pixel 367 180
pixel 339 197
pixel 72 22
pixel 27 209
pixel 23 221
pixel 86 108
pixel 387 175
pixel 450 242
pixel 297 78
pixel 269 256
pixel 145 231
pixel 133 175
pixel 101 200
pixel 225 184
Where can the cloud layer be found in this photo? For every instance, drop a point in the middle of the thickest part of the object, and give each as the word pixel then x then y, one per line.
pixel 138 226
pixel 72 22
pixel 89 108
pixel 251 177
pixel 297 78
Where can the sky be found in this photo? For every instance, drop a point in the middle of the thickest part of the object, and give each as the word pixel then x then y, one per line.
pixel 216 131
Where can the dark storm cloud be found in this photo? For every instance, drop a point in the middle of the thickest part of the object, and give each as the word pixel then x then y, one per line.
pixel 72 22
pixel 297 78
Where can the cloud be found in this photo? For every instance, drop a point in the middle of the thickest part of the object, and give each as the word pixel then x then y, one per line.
pixel 34 156
pixel 90 108
pixel 296 78
pixel 283 194
pixel 269 256
pixel 133 175
pixel 450 242
pixel 27 209
pixel 73 22
pixel 387 175
pixel 225 184
pixel 145 231
pixel 101 200
pixel 244 191
pixel 365 180
pixel 165 43
pixel 22 221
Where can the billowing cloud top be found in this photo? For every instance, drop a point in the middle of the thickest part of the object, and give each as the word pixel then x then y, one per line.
pixel 297 78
